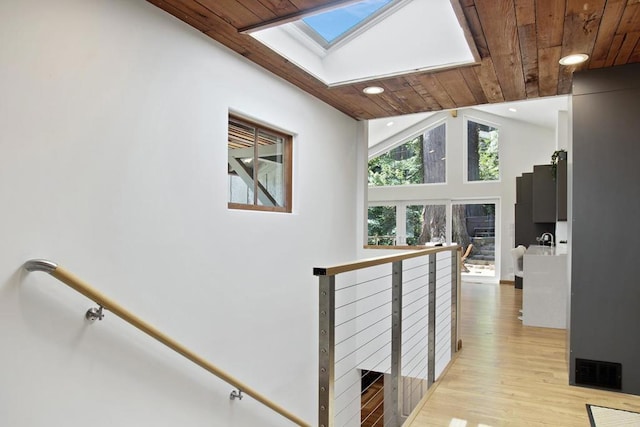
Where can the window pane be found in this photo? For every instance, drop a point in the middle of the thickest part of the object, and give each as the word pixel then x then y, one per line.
pixel 400 166
pixel 482 152
pixel 239 192
pixel 476 224
pixel 240 162
pixel 426 224
pixel 382 225
pixel 336 22
pixel 270 169
pixel 435 155
pixel 418 161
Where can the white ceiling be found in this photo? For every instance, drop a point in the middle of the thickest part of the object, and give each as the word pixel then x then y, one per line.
pixel 541 112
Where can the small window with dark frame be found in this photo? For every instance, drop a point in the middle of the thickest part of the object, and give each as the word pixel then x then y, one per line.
pixel 259 167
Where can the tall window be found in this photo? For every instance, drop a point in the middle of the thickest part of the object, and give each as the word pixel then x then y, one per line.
pixel 259 167
pixel 482 152
pixel 421 160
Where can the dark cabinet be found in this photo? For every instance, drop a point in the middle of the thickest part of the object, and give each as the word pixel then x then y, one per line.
pixel 544 194
pixel 526 228
pixel 524 189
pixel 561 187
pixel 524 232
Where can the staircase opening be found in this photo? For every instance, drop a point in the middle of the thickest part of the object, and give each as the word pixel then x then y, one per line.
pixel 372 399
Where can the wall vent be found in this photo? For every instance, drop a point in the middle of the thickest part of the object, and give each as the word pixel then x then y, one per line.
pixel 594 373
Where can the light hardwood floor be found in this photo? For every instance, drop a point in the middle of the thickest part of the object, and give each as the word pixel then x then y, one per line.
pixel 508 374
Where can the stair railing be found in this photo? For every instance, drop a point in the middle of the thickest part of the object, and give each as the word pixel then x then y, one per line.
pixel 107 303
pixel 392 321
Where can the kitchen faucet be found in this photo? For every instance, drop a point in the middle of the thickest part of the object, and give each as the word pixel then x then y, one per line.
pixel 546 237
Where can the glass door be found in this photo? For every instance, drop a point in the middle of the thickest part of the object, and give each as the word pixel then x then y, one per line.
pixel 474 223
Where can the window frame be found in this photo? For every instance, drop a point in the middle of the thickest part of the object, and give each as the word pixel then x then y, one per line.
pixel 287 163
pixel 465 150
pixel 353 32
pixel 402 139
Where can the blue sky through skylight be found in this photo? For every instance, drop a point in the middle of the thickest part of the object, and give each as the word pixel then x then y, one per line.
pixel 331 25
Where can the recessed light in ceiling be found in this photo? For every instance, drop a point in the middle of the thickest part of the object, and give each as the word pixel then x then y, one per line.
pixel 513 110
pixel 373 90
pixel 390 124
pixel 574 59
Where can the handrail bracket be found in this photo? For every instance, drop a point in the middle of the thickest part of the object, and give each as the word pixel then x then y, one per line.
pixel 236 395
pixel 94 313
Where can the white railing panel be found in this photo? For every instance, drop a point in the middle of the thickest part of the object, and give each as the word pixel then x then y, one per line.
pixel 443 312
pixel 415 332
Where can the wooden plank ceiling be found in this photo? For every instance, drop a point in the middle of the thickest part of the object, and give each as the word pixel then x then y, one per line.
pixel 519 43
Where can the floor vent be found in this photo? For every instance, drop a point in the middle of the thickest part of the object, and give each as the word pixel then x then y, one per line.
pixel 595 373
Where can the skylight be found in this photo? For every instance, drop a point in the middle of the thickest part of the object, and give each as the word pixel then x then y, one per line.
pixel 334 24
pixel 372 39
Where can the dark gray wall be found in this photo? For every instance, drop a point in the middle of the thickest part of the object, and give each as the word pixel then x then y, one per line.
pixel 605 294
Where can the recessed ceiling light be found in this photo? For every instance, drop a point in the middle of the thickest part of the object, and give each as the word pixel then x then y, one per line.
pixel 513 110
pixel 390 124
pixel 373 90
pixel 577 58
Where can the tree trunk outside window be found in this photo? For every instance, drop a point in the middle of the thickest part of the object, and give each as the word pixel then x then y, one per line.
pixel 473 157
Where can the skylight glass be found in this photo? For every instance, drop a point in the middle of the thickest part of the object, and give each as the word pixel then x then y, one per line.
pixel 337 22
pixel 356 43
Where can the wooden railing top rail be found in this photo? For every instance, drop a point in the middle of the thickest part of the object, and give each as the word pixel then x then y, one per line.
pixel 370 262
pixel 112 306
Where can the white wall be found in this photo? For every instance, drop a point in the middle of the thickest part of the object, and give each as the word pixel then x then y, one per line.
pixel 521 146
pixel 113 126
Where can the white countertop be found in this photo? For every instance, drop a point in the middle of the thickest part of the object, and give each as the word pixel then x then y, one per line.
pixel 543 250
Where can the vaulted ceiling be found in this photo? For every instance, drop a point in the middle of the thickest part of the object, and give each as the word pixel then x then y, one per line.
pixel 519 43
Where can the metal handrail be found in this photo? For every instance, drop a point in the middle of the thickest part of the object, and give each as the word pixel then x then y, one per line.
pixel 412 252
pixel 392 296
pixel 108 304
